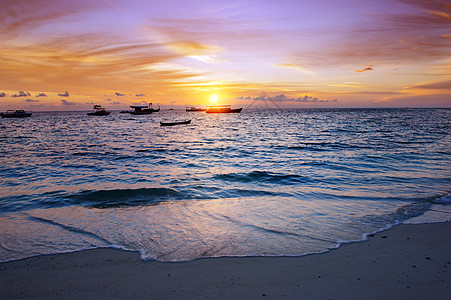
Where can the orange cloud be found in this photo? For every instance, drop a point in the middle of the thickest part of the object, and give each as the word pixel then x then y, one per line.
pixel 369 68
pixel 84 62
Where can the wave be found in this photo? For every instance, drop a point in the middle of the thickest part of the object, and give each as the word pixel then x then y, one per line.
pixel 262 176
pixel 116 198
pixel 443 200
pixel 154 196
pixel 126 197
pixel 95 199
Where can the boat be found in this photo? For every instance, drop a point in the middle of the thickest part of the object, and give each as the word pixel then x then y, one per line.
pixel 143 109
pixel 175 123
pixel 192 108
pixel 222 109
pixel 18 113
pixel 98 110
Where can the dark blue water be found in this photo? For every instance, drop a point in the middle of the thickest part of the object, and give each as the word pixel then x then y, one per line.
pixel 263 182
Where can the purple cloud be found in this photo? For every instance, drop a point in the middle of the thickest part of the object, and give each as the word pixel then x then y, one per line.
pixel 283 98
pixel 2 94
pixel 67 103
pixel 31 100
pixel 119 94
pixel 22 94
pixel 65 94
pixel 41 95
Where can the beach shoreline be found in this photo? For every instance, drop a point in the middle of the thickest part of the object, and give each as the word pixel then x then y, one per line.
pixel 405 262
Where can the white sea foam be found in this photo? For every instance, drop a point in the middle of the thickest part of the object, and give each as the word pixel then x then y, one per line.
pixel 443 200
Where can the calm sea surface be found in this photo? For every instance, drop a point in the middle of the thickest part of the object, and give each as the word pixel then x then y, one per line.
pixel 263 182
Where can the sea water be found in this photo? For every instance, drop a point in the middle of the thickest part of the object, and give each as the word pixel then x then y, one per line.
pixel 258 183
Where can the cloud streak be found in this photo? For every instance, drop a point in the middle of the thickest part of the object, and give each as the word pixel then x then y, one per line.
pixel 296 67
pixel 442 85
pixel 22 17
pixel 418 34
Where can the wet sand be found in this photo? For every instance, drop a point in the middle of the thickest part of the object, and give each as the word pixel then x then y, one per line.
pixel 405 262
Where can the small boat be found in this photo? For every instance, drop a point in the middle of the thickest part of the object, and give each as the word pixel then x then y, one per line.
pixel 222 109
pixel 192 108
pixel 98 110
pixel 143 109
pixel 18 113
pixel 175 123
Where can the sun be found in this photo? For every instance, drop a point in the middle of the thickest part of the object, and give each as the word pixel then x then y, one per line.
pixel 214 98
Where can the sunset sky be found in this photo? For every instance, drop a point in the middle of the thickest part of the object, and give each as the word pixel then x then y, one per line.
pixel 66 55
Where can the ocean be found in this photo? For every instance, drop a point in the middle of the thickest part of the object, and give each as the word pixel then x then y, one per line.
pixel 274 182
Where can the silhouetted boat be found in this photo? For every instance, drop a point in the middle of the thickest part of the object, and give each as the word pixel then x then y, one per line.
pixel 192 108
pixel 18 113
pixel 143 109
pixel 175 123
pixel 222 109
pixel 98 110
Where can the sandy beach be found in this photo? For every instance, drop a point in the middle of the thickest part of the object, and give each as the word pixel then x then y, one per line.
pixel 405 262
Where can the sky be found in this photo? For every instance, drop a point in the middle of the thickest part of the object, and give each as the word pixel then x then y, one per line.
pixel 69 55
